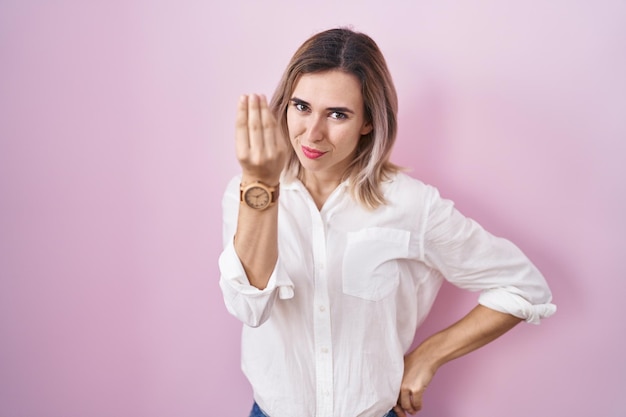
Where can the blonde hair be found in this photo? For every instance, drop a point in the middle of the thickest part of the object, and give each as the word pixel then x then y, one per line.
pixel 354 53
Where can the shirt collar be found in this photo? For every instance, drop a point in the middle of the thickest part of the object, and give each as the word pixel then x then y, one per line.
pixel 296 184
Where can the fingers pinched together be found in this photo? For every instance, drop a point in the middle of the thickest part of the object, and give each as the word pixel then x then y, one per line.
pixel 260 145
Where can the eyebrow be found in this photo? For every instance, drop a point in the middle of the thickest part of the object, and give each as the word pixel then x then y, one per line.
pixel 331 109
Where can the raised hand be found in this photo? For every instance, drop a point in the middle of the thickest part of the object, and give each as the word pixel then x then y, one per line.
pixel 260 145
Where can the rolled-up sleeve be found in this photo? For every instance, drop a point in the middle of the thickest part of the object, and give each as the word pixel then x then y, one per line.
pixel 471 258
pixel 249 304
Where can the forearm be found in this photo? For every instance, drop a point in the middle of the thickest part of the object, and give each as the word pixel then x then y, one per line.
pixel 256 243
pixel 479 327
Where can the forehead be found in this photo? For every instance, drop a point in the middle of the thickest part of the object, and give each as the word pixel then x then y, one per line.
pixel 329 89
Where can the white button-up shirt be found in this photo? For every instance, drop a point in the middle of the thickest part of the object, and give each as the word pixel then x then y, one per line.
pixel 327 336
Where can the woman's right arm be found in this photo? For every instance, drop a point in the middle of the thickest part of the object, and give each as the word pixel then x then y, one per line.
pixel 261 151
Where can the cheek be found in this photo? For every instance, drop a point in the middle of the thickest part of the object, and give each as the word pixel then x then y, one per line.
pixel 347 138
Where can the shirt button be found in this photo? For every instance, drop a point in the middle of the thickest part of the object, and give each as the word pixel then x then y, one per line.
pixel 324 350
pixel 322 308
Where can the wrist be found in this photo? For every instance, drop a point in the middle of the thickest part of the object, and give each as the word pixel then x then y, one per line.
pixel 429 354
pixel 258 195
pixel 269 180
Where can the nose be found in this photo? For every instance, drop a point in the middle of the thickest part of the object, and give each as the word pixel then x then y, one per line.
pixel 315 129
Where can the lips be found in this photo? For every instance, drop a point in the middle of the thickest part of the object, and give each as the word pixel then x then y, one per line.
pixel 312 153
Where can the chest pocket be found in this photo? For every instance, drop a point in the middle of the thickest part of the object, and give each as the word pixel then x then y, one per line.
pixel 370 264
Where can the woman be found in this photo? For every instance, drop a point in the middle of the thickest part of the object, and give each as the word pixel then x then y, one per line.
pixel 333 257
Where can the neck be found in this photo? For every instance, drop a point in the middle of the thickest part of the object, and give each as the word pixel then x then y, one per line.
pixel 319 186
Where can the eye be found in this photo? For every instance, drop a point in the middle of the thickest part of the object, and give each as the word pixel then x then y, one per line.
pixel 300 106
pixel 338 115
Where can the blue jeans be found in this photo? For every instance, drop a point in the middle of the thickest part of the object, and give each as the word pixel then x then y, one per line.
pixel 257 412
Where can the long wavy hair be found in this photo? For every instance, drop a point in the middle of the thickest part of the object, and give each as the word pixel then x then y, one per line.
pixel 354 53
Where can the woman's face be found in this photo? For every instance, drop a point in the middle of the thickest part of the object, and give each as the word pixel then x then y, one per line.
pixel 326 119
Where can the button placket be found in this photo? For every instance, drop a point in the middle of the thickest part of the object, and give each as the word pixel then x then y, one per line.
pixel 321 320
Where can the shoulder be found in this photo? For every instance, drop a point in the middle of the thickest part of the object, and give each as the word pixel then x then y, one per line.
pixel 402 187
pixel 408 199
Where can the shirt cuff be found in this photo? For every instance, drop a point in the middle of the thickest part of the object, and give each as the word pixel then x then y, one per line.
pixel 506 301
pixel 246 302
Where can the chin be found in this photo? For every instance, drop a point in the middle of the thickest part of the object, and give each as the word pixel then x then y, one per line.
pixel 312 166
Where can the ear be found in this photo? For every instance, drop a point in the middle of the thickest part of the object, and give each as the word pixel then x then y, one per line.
pixel 367 128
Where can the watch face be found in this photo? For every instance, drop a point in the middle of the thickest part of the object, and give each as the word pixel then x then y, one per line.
pixel 257 197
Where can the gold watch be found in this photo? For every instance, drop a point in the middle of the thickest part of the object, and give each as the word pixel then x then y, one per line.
pixel 258 195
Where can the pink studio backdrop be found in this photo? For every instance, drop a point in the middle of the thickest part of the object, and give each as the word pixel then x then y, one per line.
pixel 116 143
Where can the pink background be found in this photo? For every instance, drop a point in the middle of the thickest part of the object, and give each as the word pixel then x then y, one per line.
pixel 116 142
